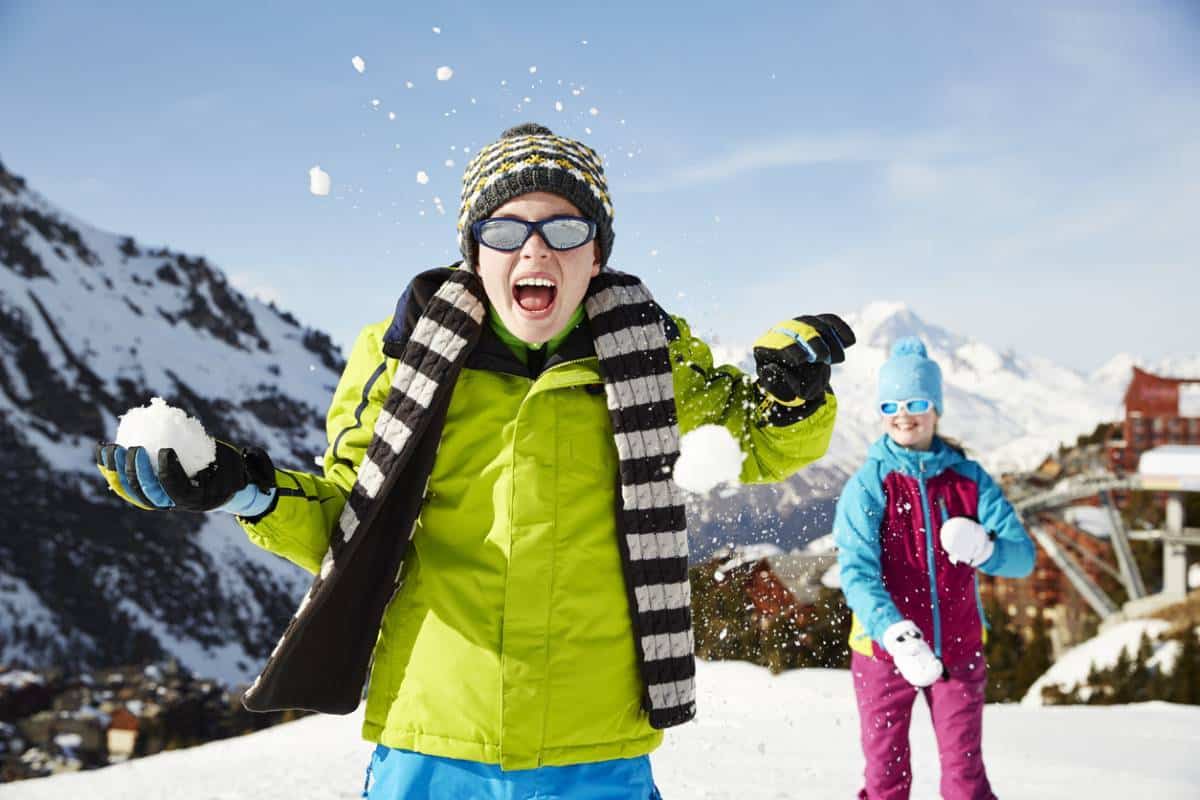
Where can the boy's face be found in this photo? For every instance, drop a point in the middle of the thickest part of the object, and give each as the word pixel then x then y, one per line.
pixel 914 431
pixel 534 314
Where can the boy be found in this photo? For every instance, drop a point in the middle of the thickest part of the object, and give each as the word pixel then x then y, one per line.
pixel 498 543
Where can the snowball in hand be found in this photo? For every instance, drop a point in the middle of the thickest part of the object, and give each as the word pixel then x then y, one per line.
pixel 159 425
pixel 708 456
pixel 318 181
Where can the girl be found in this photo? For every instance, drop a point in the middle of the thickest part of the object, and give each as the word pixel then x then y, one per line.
pixel 913 527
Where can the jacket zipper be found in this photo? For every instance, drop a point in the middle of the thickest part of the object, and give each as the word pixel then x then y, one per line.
pixel 933 593
pixel 978 597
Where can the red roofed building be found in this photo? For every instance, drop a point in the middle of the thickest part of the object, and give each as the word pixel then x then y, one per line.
pixel 1158 411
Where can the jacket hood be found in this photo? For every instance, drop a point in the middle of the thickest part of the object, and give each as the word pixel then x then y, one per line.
pixel 938 458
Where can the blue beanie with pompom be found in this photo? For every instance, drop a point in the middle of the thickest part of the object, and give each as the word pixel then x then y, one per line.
pixel 910 373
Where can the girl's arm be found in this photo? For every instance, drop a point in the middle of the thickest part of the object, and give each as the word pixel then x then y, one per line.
pixel 1014 553
pixel 856 532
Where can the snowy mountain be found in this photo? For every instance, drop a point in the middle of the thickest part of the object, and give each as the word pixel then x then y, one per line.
pixel 758 736
pixel 92 324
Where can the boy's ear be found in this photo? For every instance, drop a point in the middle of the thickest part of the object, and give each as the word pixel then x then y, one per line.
pixel 596 258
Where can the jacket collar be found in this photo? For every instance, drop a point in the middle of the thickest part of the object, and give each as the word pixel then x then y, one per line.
pixel 939 457
pixel 494 355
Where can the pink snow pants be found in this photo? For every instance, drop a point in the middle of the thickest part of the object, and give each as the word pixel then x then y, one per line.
pixel 885 704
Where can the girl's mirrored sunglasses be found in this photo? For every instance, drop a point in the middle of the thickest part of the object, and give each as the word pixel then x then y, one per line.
pixel 559 233
pixel 918 405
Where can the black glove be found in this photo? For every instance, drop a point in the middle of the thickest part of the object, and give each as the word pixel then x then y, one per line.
pixel 793 360
pixel 161 483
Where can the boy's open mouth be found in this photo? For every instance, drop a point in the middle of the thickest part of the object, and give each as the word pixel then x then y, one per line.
pixel 534 295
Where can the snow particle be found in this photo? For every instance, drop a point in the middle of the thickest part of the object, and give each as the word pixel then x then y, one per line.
pixel 444 73
pixel 318 181
pixel 436 29
pixel 595 112
pixel 359 64
pixel 449 162
pixel 422 177
pixel 408 84
pixel 375 102
pixel 533 70
pixel 391 115
pixel 558 106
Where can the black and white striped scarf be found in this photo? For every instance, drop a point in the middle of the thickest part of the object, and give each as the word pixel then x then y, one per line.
pixel 652 529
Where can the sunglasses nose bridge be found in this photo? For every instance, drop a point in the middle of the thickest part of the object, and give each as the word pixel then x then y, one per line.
pixel 535 244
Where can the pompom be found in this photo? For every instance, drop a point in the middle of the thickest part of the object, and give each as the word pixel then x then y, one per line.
pixel 909 346
pixel 527 129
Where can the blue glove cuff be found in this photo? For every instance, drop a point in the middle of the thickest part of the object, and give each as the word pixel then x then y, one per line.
pixel 248 502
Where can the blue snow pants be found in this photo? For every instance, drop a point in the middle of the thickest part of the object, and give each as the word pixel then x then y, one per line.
pixel 404 775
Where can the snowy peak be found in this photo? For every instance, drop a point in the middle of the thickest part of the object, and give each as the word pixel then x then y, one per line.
pixel 881 323
pixel 91 325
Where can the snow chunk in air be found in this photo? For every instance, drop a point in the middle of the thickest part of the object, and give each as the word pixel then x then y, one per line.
pixel 160 425
pixel 708 456
pixel 359 64
pixel 318 181
pixel 444 73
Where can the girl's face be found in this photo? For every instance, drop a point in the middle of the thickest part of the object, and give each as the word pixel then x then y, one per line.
pixel 914 431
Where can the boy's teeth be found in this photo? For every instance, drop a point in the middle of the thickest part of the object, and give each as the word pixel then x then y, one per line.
pixel 535 282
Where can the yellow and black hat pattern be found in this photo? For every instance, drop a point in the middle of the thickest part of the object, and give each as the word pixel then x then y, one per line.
pixel 532 158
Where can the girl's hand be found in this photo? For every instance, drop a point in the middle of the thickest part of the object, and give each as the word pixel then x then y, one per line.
pixel 911 654
pixel 966 541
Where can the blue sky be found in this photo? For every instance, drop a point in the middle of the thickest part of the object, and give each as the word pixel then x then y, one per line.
pixel 1025 173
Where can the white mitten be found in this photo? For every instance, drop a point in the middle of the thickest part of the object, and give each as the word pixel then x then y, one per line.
pixel 966 541
pixel 909 650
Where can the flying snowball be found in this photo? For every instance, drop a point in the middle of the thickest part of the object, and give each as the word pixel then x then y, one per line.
pixel 708 456
pixel 422 177
pixel 359 64
pixel 318 181
pixel 444 73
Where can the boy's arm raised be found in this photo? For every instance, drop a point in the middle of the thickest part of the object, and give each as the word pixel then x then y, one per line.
pixel 306 508
pixel 775 445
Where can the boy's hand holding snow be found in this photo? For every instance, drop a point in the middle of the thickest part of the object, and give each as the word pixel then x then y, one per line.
pixel 793 360
pixel 164 459
pixel 239 482
pixel 911 654
pixel 966 541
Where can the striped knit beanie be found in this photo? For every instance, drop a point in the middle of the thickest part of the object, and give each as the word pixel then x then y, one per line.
pixel 531 158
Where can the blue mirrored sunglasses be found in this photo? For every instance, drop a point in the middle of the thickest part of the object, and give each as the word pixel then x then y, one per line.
pixel 917 405
pixel 559 233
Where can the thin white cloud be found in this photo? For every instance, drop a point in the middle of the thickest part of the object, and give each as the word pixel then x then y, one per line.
pixel 805 151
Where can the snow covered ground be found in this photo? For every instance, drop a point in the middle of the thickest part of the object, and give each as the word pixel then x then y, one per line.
pixel 1102 652
pixel 758 737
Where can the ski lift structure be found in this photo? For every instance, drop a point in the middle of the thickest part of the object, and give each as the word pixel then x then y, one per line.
pixel 1171 469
